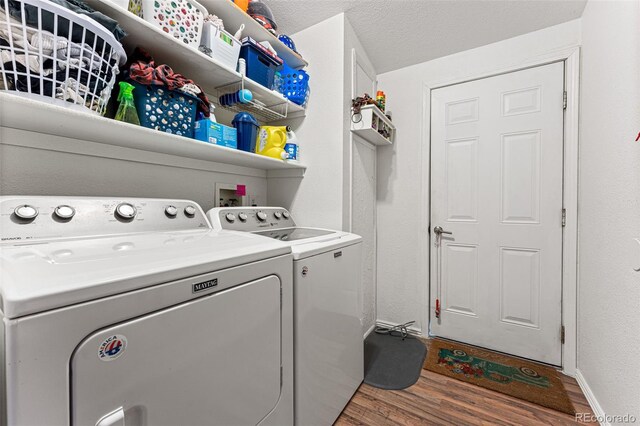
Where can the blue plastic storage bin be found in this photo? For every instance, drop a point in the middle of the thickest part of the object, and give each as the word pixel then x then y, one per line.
pixel 166 110
pixel 295 85
pixel 261 67
pixel 247 127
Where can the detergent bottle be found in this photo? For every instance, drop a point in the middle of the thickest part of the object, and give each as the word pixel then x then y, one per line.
pixel 271 141
pixel 292 147
pixel 127 109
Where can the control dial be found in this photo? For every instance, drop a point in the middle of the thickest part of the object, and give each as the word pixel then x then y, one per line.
pixel 262 216
pixel 286 215
pixel 278 215
pixel 190 211
pixel 126 211
pixel 171 211
pixel 243 217
pixel 64 212
pixel 26 212
pixel 230 217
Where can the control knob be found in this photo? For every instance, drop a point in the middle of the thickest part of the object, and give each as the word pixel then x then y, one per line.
pixel 243 217
pixel 278 215
pixel 171 211
pixel 190 211
pixel 64 212
pixel 26 212
pixel 286 215
pixel 262 216
pixel 230 217
pixel 126 211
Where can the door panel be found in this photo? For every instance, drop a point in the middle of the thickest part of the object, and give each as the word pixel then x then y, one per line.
pixel 329 350
pixel 496 170
pixel 214 360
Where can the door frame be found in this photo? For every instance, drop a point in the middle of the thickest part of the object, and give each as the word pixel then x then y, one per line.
pixel 571 58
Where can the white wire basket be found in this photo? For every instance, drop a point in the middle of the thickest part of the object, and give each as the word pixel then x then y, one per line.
pixel 74 65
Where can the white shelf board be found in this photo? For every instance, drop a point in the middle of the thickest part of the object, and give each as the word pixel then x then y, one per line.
pixel 209 73
pixel 372 136
pixel 234 17
pixel 20 113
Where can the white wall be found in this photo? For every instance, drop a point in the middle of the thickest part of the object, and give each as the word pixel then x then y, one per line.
pixel 338 189
pixel 403 207
pixel 360 176
pixel 317 199
pixel 609 206
pixel 30 171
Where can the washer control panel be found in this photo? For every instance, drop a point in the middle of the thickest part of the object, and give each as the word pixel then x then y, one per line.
pixel 250 218
pixel 24 219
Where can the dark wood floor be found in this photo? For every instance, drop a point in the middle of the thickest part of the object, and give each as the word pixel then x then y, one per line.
pixel 440 400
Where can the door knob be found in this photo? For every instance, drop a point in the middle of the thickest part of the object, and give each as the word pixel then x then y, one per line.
pixel 439 231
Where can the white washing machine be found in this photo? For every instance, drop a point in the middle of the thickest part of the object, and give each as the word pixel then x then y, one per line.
pixel 328 334
pixel 134 312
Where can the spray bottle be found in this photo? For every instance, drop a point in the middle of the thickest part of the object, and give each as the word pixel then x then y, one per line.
pixel 127 110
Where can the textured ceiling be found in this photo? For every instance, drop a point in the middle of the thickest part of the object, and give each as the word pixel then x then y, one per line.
pixel 398 33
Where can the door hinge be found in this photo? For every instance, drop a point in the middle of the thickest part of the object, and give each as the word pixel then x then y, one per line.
pixel 562 334
pixel 564 217
pixel 281 374
pixel 564 100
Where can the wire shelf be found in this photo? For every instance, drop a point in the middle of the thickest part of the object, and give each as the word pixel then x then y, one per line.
pixel 262 106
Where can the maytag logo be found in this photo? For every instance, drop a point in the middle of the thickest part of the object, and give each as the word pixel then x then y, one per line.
pixel 206 285
pixel 11 238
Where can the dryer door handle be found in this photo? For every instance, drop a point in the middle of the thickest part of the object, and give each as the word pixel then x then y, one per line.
pixel 114 418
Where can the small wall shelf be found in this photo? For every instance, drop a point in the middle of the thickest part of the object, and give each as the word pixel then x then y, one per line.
pixel 17 112
pixel 373 126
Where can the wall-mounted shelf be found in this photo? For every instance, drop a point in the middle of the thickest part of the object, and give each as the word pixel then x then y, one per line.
pixel 373 126
pixel 234 17
pixel 209 73
pixel 20 113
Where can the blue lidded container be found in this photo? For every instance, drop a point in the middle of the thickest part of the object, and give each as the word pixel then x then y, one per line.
pixel 247 127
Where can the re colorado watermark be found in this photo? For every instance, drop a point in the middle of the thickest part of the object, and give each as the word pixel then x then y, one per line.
pixel 610 419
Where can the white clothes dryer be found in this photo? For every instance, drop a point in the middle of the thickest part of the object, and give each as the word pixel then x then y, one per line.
pixel 133 311
pixel 328 331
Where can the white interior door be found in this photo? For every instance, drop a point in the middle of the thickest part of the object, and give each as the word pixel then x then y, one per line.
pixel 496 169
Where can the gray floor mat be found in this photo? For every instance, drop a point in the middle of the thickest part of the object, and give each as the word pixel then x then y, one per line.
pixel 392 363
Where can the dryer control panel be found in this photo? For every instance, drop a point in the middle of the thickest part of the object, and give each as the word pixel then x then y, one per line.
pixel 250 219
pixel 26 219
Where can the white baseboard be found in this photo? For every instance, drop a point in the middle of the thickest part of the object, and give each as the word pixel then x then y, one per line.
pixel 413 331
pixel 591 398
pixel 369 331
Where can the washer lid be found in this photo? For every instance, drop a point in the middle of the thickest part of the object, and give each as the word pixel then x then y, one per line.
pixel 41 276
pixel 295 234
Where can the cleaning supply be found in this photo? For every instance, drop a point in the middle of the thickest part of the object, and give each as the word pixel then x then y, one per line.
pixel 277 82
pixel 271 142
pixel 381 100
pixel 292 147
pixel 212 116
pixel 247 127
pixel 127 110
pixel 211 132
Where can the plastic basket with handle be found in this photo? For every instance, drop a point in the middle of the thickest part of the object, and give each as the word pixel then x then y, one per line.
pixel 182 19
pixel 52 54
pixel 295 85
pixel 169 111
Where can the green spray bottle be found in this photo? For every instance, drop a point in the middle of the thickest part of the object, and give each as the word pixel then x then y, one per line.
pixel 127 110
